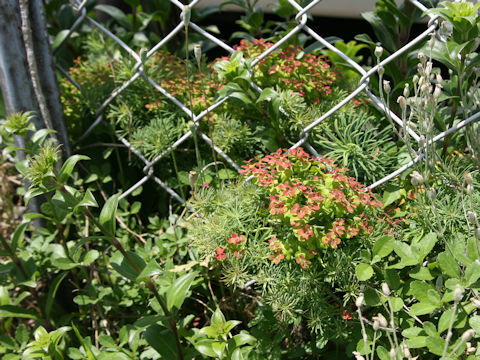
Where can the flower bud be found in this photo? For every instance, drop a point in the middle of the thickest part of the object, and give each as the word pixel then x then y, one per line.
pixel 393 353
pixel 470 349
pixel 415 79
pixel 197 51
pixel 378 51
pixel 359 301
pixel 376 325
pixel 381 319
pixel 420 69
pixel 475 302
pixel 422 57
pixel 469 189
pixel 381 70
pixel 468 178
pixel 192 176
pixel 385 289
pixel 437 92
pixel 386 86
pixel 472 216
pixel 405 350
pixel 467 335
pixel 186 13
pixel 422 141
pixel 417 178
pixel 432 194
pixel 428 69
pixel 431 42
pixel 406 90
pixel 457 294
pixel 411 124
pixel 402 102
pixel 358 356
pixel 439 78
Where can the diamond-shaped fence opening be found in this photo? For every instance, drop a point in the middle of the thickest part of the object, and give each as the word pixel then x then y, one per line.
pixel 301 26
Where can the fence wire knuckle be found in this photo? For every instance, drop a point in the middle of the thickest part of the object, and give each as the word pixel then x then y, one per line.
pixel 301 19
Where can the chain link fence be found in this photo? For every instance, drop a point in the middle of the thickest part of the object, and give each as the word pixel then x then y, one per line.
pixel 301 19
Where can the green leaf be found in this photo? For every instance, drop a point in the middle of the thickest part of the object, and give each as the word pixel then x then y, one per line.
pixel 10 311
pixel 383 247
pixel 53 291
pixel 117 14
pixel 435 344
pixel 417 342
pixel 397 303
pixel 237 354
pixel 68 167
pixel 90 257
pixel 474 323
pixel 472 272
pixel 430 328
pixel 150 270
pixel 448 264
pixel 205 347
pixel 422 308
pixel 178 291
pixel 241 97
pixel 434 297
pixel 123 266
pixel 63 263
pixel 107 215
pixel 88 351
pixel 244 338
pixel 88 200
pixel 421 273
pixel 18 236
pixel 162 340
pixel 219 347
pixel 363 272
pixel 390 196
pixel 423 246
pixel 406 254
pixel 383 354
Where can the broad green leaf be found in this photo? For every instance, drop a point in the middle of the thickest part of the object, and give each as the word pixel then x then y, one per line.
pixel 363 272
pixel 418 309
pixel 420 289
pixel 433 297
pixel 444 321
pixel 63 263
pixel 430 328
pixel 423 246
pixel 383 247
pixel 448 264
pixel 178 291
pixel 383 354
pixel 416 342
pixel 219 348
pixel 472 272
pixel 244 338
pixel 90 257
pixel 421 273
pixel 53 291
pixel 218 319
pixel 412 332
pixel 406 254
pixel 474 323
pixel 237 354
pixel 390 196
pixel 205 347
pixel 435 344
pixel 107 215
pixel 10 311
pixel 68 167
pixel 397 303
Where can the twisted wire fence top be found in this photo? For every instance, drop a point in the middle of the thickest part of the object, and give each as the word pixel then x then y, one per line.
pixel 301 19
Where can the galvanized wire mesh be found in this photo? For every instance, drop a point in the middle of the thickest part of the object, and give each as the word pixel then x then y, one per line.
pixel 301 19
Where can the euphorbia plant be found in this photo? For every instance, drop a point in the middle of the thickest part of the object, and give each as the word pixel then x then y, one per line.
pixel 313 204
